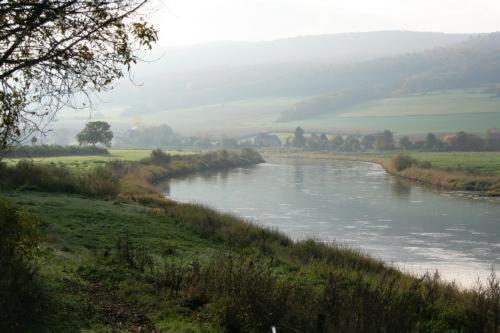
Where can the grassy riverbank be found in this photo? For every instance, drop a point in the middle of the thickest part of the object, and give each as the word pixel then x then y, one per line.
pixel 138 262
pixel 452 171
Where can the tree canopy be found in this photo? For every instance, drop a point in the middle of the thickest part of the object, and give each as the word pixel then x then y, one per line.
pixel 95 132
pixel 52 53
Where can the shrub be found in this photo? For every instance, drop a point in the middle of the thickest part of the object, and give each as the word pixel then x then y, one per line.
pixel 158 156
pixel 133 255
pixel 99 182
pixel 21 298
pixel 401 162
pixel 243 294
pixel 47 177
pixel 424 164
pixel 251 155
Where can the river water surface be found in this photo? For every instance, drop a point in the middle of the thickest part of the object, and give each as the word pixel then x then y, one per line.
pixel 412 227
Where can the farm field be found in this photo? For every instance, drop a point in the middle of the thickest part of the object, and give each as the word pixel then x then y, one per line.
pixel 455 102
pixel 438 112
pixel 483 163
pixel 232 118
pixel 88 162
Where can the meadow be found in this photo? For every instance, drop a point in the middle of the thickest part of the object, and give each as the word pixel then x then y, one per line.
pixel 83 163
pixel 481 163
pixel 443 103
pixel 231 118
pixel 448 111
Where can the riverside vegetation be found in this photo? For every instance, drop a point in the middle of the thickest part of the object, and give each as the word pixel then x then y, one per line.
pixel 465 171
pixel 102 250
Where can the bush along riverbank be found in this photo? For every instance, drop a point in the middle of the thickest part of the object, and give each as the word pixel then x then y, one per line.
pixel 161 266
pixel 421 171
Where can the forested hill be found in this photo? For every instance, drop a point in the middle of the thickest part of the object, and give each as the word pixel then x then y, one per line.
pixel 223 72
pixel 472 64
pixel 331 48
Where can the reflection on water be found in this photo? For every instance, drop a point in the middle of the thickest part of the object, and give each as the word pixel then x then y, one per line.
pixel 358 203
pixel 400 189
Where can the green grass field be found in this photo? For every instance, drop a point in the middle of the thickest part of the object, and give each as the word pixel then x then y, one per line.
pixel 445 103
pixel 486 163
pixel 87 162
pixel 75 237
pixel 450 111
pixel 232 118
pixel 438 112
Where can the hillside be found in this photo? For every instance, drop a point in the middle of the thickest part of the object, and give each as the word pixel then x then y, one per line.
pixel 475 63
pixel 340 47
pixel 222 72
pixel 251 96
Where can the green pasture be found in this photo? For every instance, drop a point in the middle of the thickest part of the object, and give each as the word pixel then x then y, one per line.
pixel 483 163
pixel 87 162
pixel 449 111
pixel 443 103
pixel 437 112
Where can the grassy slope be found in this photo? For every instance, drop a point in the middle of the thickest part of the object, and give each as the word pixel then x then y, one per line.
pixel 77 232
pixel 90 290
pixel 439 112
pixel 444 103
pixel 233 118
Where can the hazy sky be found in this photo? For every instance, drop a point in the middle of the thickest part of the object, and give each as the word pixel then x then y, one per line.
pixel 197 21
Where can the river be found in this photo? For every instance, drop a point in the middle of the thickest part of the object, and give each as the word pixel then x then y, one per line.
pixel 358 204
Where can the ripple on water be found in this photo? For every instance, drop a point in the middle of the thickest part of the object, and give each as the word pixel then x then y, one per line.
pixel 383 226
pixel 432 234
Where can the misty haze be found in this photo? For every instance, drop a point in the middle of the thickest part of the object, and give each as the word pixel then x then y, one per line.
pixel 236 166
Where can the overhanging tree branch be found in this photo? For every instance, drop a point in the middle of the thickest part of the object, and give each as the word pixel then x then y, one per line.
pixel 52 51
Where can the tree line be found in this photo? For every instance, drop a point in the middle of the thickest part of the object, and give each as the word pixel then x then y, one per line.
pixel 383 141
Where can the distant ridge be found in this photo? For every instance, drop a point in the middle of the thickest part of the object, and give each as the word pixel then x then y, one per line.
pixel 341 47
pixel 214 73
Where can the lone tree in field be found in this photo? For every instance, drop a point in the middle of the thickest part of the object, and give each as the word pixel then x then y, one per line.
pixel 54 54
pixel 95 132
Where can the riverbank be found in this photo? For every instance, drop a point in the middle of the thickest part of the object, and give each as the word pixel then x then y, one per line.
pixel 138 180
pixel 115 265
pixel 452 180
